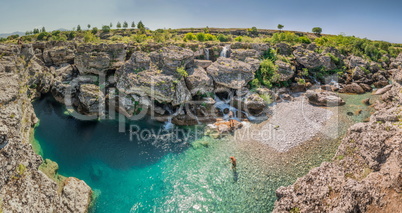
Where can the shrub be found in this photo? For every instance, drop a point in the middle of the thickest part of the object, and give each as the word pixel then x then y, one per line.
pixel 139 38
pixel 269 54
pixel 304 39
pixel 72 35
pixel 189 37
pixel 267 74
pixel 200 37
pixel 210 37
pixel 95 30
pixel 12 37
pixel 222 38
pixel 239 38
pixel 89 37
pixel 43 36
pixel 288 37
pixel 105 29
pixel 182 72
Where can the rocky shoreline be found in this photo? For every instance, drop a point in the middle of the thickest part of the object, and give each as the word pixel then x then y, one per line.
pixel 366 172
pixel 184 84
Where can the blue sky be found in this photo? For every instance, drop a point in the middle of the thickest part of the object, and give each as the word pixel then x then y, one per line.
pixel 379 20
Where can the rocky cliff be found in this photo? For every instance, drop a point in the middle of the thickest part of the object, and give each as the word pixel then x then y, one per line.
pixel 183 83
pixel 23 187
pixel 366 172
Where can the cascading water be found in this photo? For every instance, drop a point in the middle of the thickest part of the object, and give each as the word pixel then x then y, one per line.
pixel 168 124
pixel 223 106
pixel 336 84
pixel 206 50
pixel 224 52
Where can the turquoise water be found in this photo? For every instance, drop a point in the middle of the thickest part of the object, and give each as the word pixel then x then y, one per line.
pixel 169 175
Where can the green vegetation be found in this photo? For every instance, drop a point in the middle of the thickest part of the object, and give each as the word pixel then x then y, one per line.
pixel 317 30
pixel 182 72
pixel 105 29
pixel 280 26
pixel 78 28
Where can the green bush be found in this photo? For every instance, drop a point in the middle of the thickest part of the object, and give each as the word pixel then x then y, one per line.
pixel 43 36
pixel 105 29
pixel 189 37
pixel 304 40
pixel 267 74
pixel 210 37
pixel 182 72
pixel 139 38
pixel 288 37
pixel 200 37
pixel 89 37
pixel 95 30
pixel 239 38
pixel 222 38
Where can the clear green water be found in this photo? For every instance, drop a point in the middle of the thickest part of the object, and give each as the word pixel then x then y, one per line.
pixel 170 176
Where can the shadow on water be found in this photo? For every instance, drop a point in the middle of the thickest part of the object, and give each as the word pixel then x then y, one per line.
pixel 70 141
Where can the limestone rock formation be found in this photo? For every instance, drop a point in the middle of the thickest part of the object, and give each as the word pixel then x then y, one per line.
pixel 97 59
pixel 352 88
pixel 230 73
pixel 324 98
pixel 198 81
pixel 366 172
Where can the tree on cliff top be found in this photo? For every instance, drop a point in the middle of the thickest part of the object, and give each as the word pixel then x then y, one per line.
pixel 78 28
pixel 125 25
pixel 118 25
pixel 317 30
pixel 280 26
pixel 141 27
pixel 132 25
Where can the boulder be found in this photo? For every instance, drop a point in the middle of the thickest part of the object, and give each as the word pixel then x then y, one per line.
pixel 356 61
pixel 76 195
pixel 198 81
pixel 366 87
pixel 383 90
pixel 285 70
pixel 307 58
pixel 397 76
pixel 283 49
pixel 59 55
pixel 313 60
pixel 251 103
pixel 156 85
pixel 91 99
pixel 324 98
pixel 352 88
pixel 202 63
pixel 172 57
pixel 230 73
pixel 97 59
pixel 242 54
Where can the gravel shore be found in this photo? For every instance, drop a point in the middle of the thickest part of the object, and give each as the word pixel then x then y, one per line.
pixel 291 123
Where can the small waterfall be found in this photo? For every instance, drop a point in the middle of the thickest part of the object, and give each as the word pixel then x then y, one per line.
pixel 168 124
pixel 224 52
pixel 206 50
pixel 336 84
pixel 223 106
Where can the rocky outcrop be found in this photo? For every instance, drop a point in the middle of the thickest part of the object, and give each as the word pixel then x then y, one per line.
pixel 352 88
pixel 285 70
pixel 172 57
pixel 91 99
pixel 313 60
pixel 366 172
pixel 324 98
pixel 198 81
pixel 23 187
pixel 230 73
pixel 97 59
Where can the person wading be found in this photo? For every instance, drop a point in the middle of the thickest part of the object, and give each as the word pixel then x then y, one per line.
pixel 235 175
